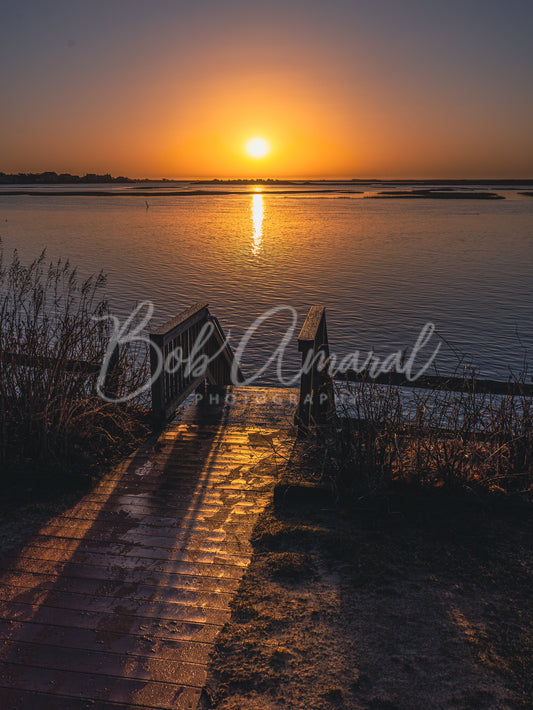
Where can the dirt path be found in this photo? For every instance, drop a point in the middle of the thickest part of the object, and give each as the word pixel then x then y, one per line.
pixel 393 610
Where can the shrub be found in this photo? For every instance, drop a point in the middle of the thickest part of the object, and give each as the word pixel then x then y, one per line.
pixel 53 330
pixel 429 438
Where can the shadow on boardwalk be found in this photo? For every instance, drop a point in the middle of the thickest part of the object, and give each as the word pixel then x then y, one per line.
pixel 118 601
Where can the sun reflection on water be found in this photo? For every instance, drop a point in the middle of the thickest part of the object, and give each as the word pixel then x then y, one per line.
pixel 257 220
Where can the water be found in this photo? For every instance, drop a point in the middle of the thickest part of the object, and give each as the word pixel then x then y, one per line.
pixel 382 268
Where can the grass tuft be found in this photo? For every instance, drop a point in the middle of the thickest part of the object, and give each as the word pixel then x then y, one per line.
pixel 385 441
pixel 52 422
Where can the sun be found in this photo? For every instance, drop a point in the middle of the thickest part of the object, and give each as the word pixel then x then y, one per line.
pixel 257 147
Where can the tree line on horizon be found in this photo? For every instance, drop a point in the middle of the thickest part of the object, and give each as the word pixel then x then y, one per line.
pixel 55 178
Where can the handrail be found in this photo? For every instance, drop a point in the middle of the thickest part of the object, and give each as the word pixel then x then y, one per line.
pixel 45 362
pixel 440 382
pixel 221 368
pixel 179 342
pixel 317 400
pixel 80 367
pixel 316 384
pixel 182 321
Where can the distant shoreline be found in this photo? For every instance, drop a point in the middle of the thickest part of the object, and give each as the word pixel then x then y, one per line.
pixel 52 178
pixel 167 193
pixel 431 194
pixel 52 185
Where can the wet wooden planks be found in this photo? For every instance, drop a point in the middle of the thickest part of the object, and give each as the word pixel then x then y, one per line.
pixel 117 602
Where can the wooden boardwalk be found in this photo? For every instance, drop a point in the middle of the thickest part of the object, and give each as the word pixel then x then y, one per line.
pixel 117 602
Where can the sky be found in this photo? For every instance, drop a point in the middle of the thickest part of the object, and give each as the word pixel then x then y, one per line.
pixel 340 89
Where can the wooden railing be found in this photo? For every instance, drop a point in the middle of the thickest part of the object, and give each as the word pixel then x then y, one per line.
pixel 316 390
pixel 317 403
pixel 180 343
pixel 442 382
pixel 79 367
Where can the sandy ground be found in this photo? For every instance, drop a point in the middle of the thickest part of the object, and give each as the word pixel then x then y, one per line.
pixel 382 610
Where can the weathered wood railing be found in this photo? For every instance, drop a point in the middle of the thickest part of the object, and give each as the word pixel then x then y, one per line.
pixel 176 350
pixel 441 382
pixel 317 402
pixel 316 390
pixel 60 365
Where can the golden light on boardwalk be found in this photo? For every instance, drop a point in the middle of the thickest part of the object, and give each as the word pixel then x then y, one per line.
pixel 141 628
pixel 257 147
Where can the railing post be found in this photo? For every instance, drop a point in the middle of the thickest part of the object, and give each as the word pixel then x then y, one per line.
pixel 326 396
pixel 303 415
pixel 158 382
pixel 111 380
pixel 316 389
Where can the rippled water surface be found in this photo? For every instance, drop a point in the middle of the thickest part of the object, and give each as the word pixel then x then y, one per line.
pixel 383 268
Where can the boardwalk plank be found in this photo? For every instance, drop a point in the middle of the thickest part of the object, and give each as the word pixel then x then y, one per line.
pixel 117 602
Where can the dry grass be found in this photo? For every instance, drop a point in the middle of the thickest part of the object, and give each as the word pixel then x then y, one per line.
pixel 51 419
pixel 463 440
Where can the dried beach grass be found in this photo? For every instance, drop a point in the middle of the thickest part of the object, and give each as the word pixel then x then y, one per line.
pixel 53 331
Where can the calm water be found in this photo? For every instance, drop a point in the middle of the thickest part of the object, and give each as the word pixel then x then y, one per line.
pixel 382 268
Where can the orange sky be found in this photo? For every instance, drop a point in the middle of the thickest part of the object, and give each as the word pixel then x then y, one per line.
pixel 356 89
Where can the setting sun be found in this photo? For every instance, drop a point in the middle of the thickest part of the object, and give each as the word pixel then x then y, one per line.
pixel 257 147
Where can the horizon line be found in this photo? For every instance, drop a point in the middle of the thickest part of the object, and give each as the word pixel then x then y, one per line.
pixel 51 173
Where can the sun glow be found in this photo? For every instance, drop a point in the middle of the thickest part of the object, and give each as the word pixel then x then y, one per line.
pixel 257 147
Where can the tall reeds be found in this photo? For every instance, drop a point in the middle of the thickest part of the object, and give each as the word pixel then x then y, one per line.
pixel 387 435
pixel 53 337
